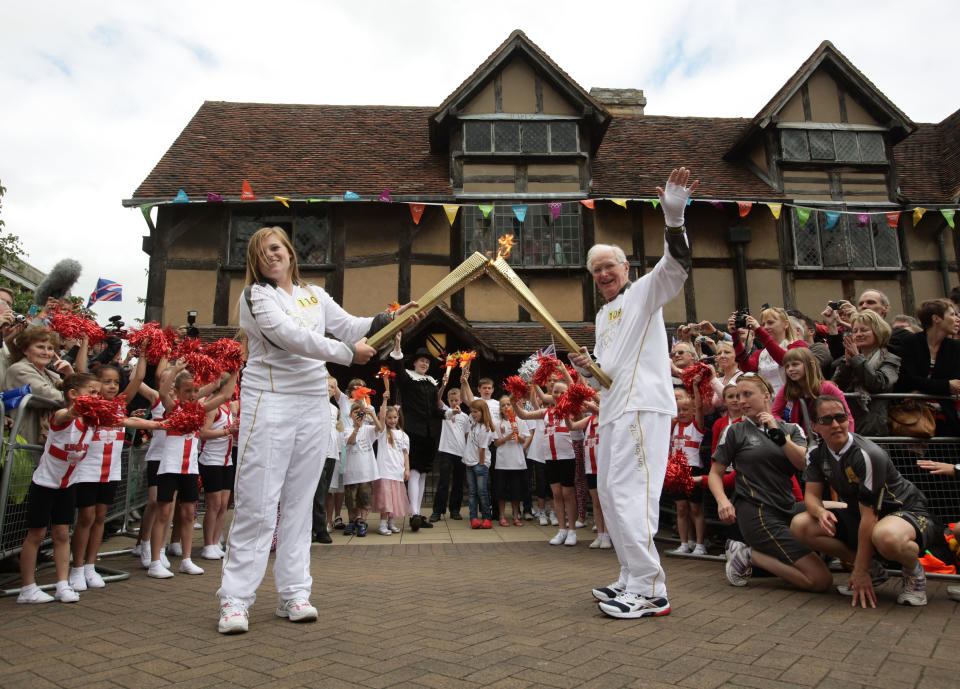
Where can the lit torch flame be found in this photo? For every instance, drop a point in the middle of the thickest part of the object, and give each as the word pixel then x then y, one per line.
pixel 506 244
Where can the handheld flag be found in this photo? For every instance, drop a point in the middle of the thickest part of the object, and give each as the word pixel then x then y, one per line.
pixel 107 290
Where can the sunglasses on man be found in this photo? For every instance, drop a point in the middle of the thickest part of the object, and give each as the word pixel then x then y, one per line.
pixel 830 418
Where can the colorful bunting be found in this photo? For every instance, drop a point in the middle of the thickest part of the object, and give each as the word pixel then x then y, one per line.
pixel 656 202
pixel 917 215
pixel 689 201
pixel 775 208
pixel 520 212
pixel 350 196
pixel 620 202
pixel 555 209
pixel 385 196
pixel 316 200
pixel 285 200
pixel 214 198
pixel 588 203
pixel 893 218
pixel 717 204
pixel 451 211
pixel 246 192
pixel 803 214
pixel 832 218
pixel 485 209
pixel 863 219
pixel 744 207
pixel 181 197
pixel 948 214
pixel 416 210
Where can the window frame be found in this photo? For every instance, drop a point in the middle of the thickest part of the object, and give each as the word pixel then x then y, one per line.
pixel 502 220
pixel 520 122
pixel 288 220
pixel 833 131
pixel 848 224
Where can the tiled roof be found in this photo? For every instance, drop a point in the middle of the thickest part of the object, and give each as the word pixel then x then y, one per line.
pixel 639 151
pixel 299 150
pixel 526 338
pixel 919 165
pixel 950 155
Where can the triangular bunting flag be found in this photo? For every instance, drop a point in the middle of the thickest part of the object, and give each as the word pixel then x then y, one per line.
pixel 350 196
pixel 283 199
pixel 146 211
pixel 555 208
pixel 385 196
pixel 803 215
pixel 656 202
pixel 451 211
pixel 917 215
pixel 832 217
pixel 717 204
pixel 620 202
pixel 520 212
pixel 744 207
pixel 775 208
pixel 416 210
pixel 948 214
pixel 588 203
pixel 893 218
pixel 316 200
pixel 689 201
pixel 181 197
pixel 485 209
pixel 863 219
pixel 246 192
pixel 214 198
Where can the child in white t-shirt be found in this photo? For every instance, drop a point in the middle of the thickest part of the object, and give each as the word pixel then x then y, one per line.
pixel 360 468
pixel 511 470
pixel 393 465
pixel 476 459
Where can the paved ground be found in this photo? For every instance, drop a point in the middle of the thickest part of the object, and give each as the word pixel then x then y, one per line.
pixel 452 607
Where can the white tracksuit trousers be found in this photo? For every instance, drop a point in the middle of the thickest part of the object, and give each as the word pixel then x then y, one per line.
pixel 282 448
pixel 631 465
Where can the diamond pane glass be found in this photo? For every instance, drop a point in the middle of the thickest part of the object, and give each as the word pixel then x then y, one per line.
pixel 535 137
pixel 846 145
pixel 861 246
pixel 541 239
pixel 310 239
pixel 563 137
pixel 794 143
pixel 833 242
pixel 871 147
pixel 806 240
pixel 476 137
pixel 885 241
pixel 821 145
pixel 506 137
pixel 242 228
pixel 477 231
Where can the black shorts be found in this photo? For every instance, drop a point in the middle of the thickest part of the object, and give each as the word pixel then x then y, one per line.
pixel 562 471
pixel 230 476
pixel 215 478
pixel 47 506
pixel 767 529
pixel 696 495
pixel 90 494
pixel 509 484
pixel 591 481
pixel 152 468
pixel 184 485
pixel 923 525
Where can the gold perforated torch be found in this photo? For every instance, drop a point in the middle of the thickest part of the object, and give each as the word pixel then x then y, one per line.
pixel 503 275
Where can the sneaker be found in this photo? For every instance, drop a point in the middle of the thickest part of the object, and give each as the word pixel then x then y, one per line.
pixel 197 526
pixel 348 529
pixel 211 552
pixel 559 538
pixel 699 549
pixel 474 523
pixel 580 524
pixel 878 575
pixel 187 567
pixel 361 528
pixel 630 605
pixel 571 538
pixel 606 544
pixel 553 519
pixel 425 523
pixel 953 593
pixel 32 595
pixel 609 592
pixel 297 610
pixel 416 521
pixel 233 617
pixel 528 516
pixel 684 549
pixel 434 518
pixel 914 589
pixel 137 550
pixel 77 581
pixel 175 549
pixel 486 524
pixel 543 519
pixel 384 530
pixel 594 529
pixel 66 595
pixel 93 578
pixel 163 559
pixel 145 554
pixel 737 566
pixel 597 543
pixel 158 571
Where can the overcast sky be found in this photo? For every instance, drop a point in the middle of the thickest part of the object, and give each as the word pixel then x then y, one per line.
pixel 93 93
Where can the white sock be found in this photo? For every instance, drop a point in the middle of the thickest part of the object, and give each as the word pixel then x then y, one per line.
pixel 391 523
pixel 62 585
pixel 562 532
pixel 89 569
pixel 76 571
pixel 29 588
pixel 383 524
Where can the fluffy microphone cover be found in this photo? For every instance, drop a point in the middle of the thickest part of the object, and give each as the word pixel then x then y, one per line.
pixel 59 281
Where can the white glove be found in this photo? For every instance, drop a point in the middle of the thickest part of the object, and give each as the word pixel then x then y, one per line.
pixel 673 198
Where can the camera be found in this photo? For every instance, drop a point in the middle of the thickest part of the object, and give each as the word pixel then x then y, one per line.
pixel 835 305
pixel 19 318
pixel 740 318
pixel 694 328
pixel 191 317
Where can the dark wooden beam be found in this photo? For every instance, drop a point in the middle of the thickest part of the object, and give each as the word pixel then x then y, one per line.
pixel 520 178
pixel 338 241
pixel 497 94
pixel 538 93
pixel 842 102
pixel 405 245
pixel 157 272
pixel 457 299
pixel 805 97
pixel 221 299
pixel 587 286
pixel 192 263
pixel 906 277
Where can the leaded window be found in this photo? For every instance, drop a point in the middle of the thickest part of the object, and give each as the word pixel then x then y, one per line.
pixel 541 239
pixel 309 234
pixel 515 136
pixel 845 244
pixel 827 145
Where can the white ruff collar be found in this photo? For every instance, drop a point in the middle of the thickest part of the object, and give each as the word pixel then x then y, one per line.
pixel 417 377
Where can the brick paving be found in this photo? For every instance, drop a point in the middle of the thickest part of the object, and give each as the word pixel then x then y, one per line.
pixel 451 607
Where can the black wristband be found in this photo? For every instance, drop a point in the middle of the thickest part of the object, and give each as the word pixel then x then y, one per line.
pixel 777 436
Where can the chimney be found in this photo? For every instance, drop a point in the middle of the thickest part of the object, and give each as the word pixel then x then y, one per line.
pixel 620 101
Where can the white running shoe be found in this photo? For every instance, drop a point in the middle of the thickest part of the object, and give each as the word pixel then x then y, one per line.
pixel 187 567
pixel 684 549
pixel 137 549
pixel 297 610
pixel 630 605
pixel 158 571
pixel 77 581
pixel 175 549
pixel 609 592
pixel 559 538
pixel 606 543
pixel 233 617
pixel 66 595
pixel 145 554
pixel 699 549
pixel 571 538
pixel 163 559
pixel 738 566
pixel 597 543
pixel 543 519
pixel 33 595
pixel 580 524
pixel 211 552
pixel 553 518
pixel 94 580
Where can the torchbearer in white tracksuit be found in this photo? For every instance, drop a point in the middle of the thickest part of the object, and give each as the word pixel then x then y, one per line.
pixel 284 425
pixel 634 420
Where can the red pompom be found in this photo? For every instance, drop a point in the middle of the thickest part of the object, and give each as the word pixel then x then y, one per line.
pixel 203 368
pixel 547 368
pixel 690 372
pixel 97 411
pixel 157 348
pixel 571 402
pixel 226 353
pixel 678 479
pixel 73 326
pixel 187 345
pixel 189 417
pixel 572 372
pixel 516 388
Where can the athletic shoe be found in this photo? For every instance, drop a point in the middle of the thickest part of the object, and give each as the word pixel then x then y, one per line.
pixel 543 519
pixel 579 524
pixel 197 526
pixel 297 610
pixel 361 529
pixel 93 578
pixel 32 595
pixel 528 516
pixel 233 617
pixel 416 521
pixel 137 549
pixel 878 575
pixel 456 515
pixel 630 605
pixel 700 549
pixel 77 581
pixel 914 589
pixel 425 523
pixel 434 518
pixel 684 549
pixel 211 552
pixel 348 529
pixel 737 566
pixel 486 524
pixel 594 529
pixel 474 523
pixel 553 519
pixel 145 554
pixel 953 593
pixel 609 592
pixel 597 543
pixel 571 538
pixel 66 595
pixel 559 538
pixel 187 567
pixel 323 537
pixel 158 571
pixel 175 549
pixel 384 530
pixel 163 559
pixel 606 544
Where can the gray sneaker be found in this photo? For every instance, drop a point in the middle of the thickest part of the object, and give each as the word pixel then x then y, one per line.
pixel 738 567
pixel 914 589
pixel 878 575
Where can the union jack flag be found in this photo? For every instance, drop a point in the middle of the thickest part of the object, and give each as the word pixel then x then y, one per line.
pixel 548 351
pixel 107 290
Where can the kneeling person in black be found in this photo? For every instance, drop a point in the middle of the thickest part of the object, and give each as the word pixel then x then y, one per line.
pixel 892 519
